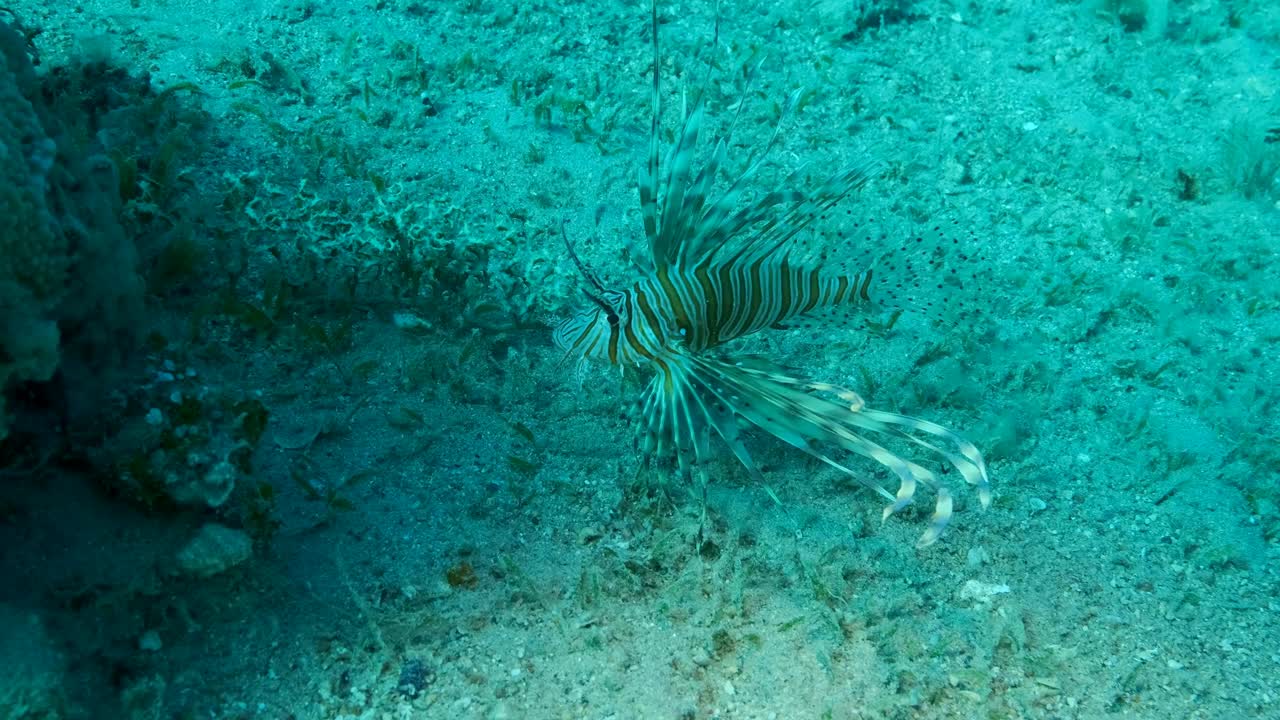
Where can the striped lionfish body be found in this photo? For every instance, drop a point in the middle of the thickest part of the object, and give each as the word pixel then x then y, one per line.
pixel 699 308
pixel 731 265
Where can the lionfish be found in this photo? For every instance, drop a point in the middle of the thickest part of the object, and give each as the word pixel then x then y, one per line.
pixel 731 264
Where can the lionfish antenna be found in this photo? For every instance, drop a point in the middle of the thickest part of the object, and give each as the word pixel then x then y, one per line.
pixel 582 268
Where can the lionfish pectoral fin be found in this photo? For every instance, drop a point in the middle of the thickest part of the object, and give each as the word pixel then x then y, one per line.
pixel 938 522
pixel 792 411
pixel 965 458
pixel 683 407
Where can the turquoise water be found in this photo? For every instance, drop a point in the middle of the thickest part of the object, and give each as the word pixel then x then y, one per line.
pixel 285 435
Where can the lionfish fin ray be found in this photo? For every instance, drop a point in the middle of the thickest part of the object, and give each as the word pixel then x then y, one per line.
pixel 732 395
pixel 680 412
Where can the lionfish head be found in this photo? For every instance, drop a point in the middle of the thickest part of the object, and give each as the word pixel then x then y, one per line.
pixel 588 333
pixel 593 332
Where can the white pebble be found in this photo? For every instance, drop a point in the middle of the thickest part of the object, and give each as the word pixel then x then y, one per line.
pixel 981 592
pixel 408 321
pixel 978 555
pixel 150 641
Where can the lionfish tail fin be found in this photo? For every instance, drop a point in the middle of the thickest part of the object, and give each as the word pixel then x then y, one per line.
pixel 697 397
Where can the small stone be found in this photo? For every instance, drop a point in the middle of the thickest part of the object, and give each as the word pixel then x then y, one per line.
pixel 409 322
pixel 150 641
pixel 982 593
pixel 415 675
pixel 209 487
pixel 977 556
pixel 215 549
